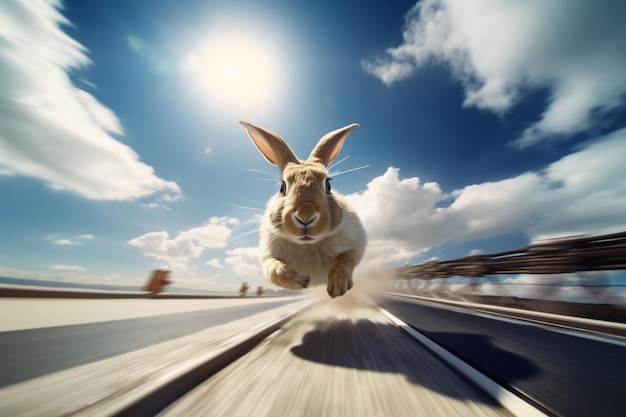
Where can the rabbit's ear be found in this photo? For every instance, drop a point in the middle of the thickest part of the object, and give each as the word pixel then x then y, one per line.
pixel 329 146
pixel 271 145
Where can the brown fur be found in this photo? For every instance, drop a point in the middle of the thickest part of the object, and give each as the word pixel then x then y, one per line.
pixel 307 234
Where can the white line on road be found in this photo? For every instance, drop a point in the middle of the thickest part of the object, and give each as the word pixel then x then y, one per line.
pixel 510 401
pixel 538 314
pixel 541 319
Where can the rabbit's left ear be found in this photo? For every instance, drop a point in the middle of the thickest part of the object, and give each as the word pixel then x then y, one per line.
pixel 329 146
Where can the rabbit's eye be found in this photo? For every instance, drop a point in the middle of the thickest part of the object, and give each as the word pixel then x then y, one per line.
pixel 283 188
pixel 328 186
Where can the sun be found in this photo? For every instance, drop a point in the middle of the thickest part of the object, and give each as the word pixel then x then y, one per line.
pixel 240 71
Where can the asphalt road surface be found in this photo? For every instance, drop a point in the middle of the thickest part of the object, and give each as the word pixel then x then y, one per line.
pixel 329 362
pixel 33 352
pixel 570 373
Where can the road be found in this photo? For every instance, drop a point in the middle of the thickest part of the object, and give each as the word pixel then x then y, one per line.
pixel 570 373
pixel 337 358
pixel 332 359
pixel 332 362
pixel 41 336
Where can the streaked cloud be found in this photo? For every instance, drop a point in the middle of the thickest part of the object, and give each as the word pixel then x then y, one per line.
pixel 50 129
pixel 501 50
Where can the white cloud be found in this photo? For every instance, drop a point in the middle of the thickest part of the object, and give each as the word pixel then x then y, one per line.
pixel 65 242
pixel 588 191
pixel 398 215
pixel 155 205
pixel 245 262
pixel 176 253
pixel 50 129
pixel 170 198
pixel 67 267
pixel 499 49
pixel 493 208
pixel 582 193
pixel 58 240
pixel 405 199
pixel 215 263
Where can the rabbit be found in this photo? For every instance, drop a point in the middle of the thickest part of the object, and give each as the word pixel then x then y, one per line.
pixel 308 233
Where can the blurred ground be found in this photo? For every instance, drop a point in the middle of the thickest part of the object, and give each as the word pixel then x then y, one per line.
pixel 340 358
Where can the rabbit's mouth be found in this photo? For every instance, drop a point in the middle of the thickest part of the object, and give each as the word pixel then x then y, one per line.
pixel 306 235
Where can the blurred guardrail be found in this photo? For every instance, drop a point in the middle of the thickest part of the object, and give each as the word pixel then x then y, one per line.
pixel 606 252
pixel 573 270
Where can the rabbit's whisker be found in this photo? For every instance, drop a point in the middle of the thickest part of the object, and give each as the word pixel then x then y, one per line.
pixel 331 166
pixel 247 208
pixel 255 220
pixel 250 233
pixel 260 171
pixel 337 173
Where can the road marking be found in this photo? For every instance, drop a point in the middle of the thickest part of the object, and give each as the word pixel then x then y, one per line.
pixel 553 327
pixel 508 315
pixel 509 400
pixel 539 314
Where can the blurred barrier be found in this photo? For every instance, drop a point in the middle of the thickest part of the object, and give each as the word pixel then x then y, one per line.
pixel 599 253
pixel 551 264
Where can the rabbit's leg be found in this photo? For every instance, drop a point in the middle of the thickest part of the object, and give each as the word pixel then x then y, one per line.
pixel 282 275
pixel 340 275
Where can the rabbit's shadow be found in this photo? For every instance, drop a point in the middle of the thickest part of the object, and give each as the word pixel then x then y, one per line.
pixel 381 347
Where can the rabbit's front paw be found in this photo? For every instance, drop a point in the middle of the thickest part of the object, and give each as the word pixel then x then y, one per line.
pixel 280 274
pixel 340 276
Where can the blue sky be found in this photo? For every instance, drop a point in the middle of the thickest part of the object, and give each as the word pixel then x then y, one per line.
pixel 484 127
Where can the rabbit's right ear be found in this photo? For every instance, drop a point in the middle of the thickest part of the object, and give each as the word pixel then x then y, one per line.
pixel 330 144
pixel 271 145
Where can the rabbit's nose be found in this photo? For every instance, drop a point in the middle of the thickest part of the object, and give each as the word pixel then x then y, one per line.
pixel 306 214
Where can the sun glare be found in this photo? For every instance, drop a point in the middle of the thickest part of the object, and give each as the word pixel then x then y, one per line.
pixel 239 71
